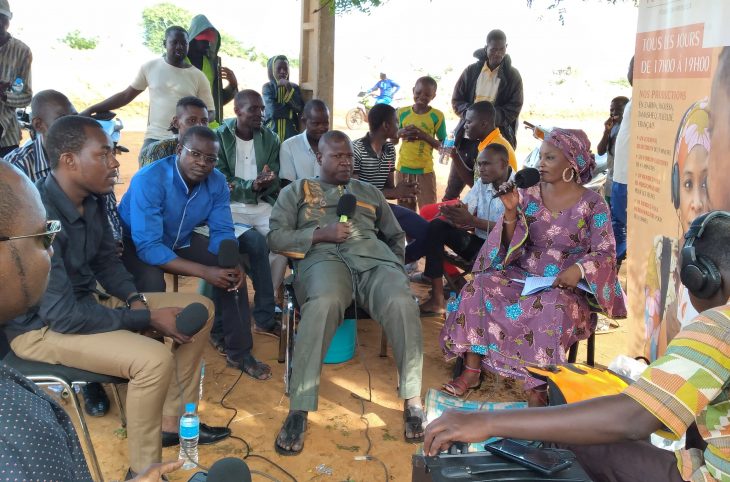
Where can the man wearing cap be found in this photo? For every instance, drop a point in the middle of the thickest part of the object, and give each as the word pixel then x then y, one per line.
pixel 205 42
pixel 15 90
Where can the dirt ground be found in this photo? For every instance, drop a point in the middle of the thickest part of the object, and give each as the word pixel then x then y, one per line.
pixel 337 433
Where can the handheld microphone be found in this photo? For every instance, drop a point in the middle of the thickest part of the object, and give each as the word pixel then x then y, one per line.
pixel 229 469
pixel 191 319
pixel 524 178
pixel 228 254
pixel 346 207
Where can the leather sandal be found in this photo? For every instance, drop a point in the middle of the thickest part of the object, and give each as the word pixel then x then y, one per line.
pixel 458 386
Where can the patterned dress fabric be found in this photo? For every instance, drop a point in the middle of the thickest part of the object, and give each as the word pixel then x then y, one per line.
pixel 512 331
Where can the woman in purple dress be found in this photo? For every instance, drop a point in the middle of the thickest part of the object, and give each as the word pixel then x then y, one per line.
pixel 556 228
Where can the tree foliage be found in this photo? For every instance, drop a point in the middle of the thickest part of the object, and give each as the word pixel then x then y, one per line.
pixel 76 41
pixel 157 18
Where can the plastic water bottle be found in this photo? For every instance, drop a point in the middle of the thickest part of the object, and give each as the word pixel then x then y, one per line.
pixel 202 377
pixel 446 149
pixel 189 432
pixel 452 304
pixel 18 85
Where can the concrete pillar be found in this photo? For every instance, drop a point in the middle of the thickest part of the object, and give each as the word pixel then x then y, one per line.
pixel 317 56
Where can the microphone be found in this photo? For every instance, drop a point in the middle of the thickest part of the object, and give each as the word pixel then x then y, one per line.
pixel 524 178
pixel 229 469
pixel 191 319
pixel 346 206
pixel 228 254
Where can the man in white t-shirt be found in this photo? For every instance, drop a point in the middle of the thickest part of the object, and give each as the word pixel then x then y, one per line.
pixel 621 176
pixel 298 154
pixel 479 210
pixel 169 79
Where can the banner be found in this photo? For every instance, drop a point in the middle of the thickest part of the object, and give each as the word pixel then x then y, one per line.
pixel 677 165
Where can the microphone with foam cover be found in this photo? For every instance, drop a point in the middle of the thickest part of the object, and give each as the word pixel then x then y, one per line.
pixel 229 469
pixel 228 254
pixel 346 207
pixel 192 319
pixel 524 178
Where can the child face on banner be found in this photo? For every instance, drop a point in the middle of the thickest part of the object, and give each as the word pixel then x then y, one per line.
pixel 693 186
pixel 719 159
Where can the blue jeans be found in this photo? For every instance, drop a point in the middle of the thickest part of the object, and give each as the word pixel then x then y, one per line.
pixel 618 217
pixel 254 244
pixel 415 228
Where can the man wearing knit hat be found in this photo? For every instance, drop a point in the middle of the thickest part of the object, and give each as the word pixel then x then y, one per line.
pixel 15 90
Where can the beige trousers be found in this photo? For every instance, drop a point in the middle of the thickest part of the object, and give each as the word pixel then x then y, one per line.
pixel 427 187
pixel 153 370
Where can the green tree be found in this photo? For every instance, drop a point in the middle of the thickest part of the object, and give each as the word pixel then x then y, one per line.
pixel 76 41
pixel 157 18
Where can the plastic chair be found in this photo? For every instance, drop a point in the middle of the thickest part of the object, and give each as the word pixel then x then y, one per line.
pixel 45 374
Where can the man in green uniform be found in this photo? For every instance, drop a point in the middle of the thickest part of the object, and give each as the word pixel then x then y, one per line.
pixel 329 256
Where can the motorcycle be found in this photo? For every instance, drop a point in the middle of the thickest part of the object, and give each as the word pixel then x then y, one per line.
pixel 109 121
pixel 358 116
pixel 600 172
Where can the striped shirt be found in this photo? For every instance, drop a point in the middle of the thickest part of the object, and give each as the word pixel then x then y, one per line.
pixel 370 167
pixel 15 60
pixel 691 384
pixel 31 158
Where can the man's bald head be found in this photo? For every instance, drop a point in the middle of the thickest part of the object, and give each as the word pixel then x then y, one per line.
pixel 24 262
pixel 331 138
pixel 48 106
pixel 245 97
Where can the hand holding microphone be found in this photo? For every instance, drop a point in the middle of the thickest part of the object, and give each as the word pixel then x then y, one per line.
pixel 338 232
pixel 228 275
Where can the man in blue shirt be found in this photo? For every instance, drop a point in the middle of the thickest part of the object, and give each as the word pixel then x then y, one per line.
pixel 387 88
pixel 165 202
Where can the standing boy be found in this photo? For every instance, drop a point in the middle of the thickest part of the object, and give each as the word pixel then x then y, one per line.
pixel 418 125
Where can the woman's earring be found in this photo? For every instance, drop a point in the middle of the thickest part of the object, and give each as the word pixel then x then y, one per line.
pixel 572 174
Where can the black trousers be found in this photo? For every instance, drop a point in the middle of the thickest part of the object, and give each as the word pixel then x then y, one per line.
pixel 627 462
pixel 440 234
pixel 236 317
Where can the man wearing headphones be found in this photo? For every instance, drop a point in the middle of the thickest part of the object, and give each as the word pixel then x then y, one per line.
pixel 689 385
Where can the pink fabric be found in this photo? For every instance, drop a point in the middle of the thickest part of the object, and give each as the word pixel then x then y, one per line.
pixel 575 145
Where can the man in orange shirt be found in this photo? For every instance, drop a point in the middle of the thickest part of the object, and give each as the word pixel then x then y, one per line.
pixel 479 131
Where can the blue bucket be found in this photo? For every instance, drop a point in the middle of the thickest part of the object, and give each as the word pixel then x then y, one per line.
pixel 342 347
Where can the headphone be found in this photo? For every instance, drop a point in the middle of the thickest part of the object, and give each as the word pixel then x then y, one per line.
pixel 699 273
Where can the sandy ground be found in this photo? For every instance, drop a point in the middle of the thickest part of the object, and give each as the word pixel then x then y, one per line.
pixel 336 431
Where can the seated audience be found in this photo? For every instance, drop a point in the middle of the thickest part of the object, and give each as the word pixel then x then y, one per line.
pixel 328 253
pixel 189 112
pixel 24 281
pixel 479 131
pixel 165 202
pixel 169 79
pixel 422 129
pixel 46 107
pixel 686 386
pixel 298 154
pixel 374 163
pixel 249 159
pixel 283 99
pixel 556 228
pixel 74 324
pixel 464 226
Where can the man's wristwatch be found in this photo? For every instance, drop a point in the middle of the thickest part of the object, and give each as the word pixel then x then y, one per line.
pixel 136 297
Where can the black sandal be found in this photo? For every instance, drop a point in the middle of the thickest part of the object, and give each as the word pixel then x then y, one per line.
pixel 413 418
pixel 294 427
pixel 252 367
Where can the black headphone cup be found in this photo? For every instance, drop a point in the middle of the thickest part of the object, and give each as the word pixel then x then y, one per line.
pixel 711 278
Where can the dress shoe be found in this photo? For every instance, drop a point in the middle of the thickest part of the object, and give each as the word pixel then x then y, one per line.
pixel 96 403
pixel 208 435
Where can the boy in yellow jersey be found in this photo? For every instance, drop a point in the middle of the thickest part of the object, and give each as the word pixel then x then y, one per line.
pixel 422 129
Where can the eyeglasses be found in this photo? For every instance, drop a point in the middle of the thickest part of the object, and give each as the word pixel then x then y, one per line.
pixel 53 227
pixel 199 155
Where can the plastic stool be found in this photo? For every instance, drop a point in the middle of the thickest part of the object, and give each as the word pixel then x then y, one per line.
pixel 342 347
